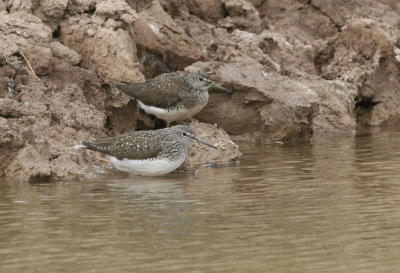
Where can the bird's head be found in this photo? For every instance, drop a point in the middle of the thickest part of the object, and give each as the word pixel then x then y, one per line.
pixel 203 81
pixel 186 135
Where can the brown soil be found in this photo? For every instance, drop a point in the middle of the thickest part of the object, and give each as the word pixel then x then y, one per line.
pixel 297 68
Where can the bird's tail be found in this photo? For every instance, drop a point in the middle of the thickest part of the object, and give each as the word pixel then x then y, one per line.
pixel 79 146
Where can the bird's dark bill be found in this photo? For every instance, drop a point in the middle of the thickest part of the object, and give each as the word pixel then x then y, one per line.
pixel 205 143
pixel 222 88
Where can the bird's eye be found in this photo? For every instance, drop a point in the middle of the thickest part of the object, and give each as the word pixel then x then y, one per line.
pixel 184 134
pixel 201 79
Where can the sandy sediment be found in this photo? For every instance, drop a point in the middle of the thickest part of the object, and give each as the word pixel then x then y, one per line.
pixel 297 68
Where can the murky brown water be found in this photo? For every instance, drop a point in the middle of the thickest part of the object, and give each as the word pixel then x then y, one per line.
pixel 329 206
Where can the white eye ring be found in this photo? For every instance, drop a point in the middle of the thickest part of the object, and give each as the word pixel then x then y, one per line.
pixel 184 134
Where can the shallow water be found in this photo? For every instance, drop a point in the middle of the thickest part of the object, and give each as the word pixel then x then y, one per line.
pixel 328 206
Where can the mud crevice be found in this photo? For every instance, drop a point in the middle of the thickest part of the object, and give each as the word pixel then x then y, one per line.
pixel 225 11
pixel 90 11
pixel 121 119
pixel 153 64
pixel 56 33
pixel 363 109
pixel 366 103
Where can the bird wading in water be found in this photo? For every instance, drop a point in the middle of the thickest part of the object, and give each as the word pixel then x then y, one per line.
pixel 150 153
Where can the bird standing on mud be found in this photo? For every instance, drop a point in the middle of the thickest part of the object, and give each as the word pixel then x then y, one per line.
pixel 150 153
pixel 172 97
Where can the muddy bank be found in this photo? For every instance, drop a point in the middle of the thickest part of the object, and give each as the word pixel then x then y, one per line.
pixel 297 68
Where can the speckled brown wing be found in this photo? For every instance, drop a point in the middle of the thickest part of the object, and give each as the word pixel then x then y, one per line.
pixel 164 91
pixel 135 145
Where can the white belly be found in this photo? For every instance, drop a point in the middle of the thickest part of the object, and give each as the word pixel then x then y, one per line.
pixel 145 167
pixel 170 116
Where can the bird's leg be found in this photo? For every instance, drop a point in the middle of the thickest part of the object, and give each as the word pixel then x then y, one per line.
pixel 101 159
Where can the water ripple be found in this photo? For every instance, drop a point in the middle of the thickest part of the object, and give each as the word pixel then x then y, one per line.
pixel 329 206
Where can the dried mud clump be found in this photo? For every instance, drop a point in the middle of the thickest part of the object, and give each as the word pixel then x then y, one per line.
pixel 200 153
pixel 297 68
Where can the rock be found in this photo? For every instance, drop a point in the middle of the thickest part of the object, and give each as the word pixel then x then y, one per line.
pixel 289 56
pixel 209 10
pixel 61 51
pixel 238 113
pixel 70 109
pixel 88 81
pixel 290 115
pixel 140 5
pixel 297 19
pixel 39 58
pixel 116 10
pixel 31 91
pixel 242 15
pixel 115 56
pixel 53 8
pixel 320 19
pixel 105 40
pixel 199 154
pixel 358 47
pixel 363 54
pixel 173 7
pixel 10 142
pixel 336 109
pixel 266 103
pixel 20 29
pixel 394 4
pixel 36 140
pixel 29 165
pixel 19 5
pixel 276 52
pixel 342 12
pixel 76 7
pixel 70 164
pixel 51 11
pixel 157 32
pixel 10 108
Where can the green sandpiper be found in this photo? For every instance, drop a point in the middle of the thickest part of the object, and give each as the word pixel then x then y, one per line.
pixel 153 152
pixel 173 97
